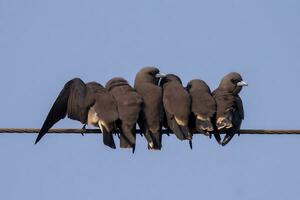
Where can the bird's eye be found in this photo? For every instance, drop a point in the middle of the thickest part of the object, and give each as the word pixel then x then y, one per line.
pixel 235 81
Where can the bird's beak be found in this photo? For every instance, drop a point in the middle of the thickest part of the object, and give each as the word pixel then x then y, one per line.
pixel 160 75
pixel 242 83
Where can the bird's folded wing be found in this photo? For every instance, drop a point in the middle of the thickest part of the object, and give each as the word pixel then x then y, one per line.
pixel 77 108
pixel 58 110
pixel 240 107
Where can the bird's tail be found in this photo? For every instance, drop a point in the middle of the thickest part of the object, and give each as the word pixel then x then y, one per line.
pixel 155 141
pixel 181 131
pixel 107 132
pixel 127 137
pixel 108 139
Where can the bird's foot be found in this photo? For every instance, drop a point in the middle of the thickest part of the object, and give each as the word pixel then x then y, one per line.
pixel 83 130
pixel 206 133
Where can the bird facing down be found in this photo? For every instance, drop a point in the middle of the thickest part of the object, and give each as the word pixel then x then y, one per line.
pixel 203 107
pixel 230 112
pixel 177 103
pixel 151 116
pixel 88 103
pixel 129 105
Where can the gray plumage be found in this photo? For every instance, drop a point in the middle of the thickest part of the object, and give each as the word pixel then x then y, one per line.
pixel 129 106
pixel 177 103
pixel 151 116
pixel 203 107
pixel 88 103
pixel 230 112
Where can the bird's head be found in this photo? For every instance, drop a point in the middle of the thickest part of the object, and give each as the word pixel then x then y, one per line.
pixel 170 78
pixel 115 82
pixel 233 83
pixel 199 85
pixel 149 74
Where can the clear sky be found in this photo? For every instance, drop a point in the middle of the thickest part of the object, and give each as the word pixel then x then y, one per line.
pixel 43 44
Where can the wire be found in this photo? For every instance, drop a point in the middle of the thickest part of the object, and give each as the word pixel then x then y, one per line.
pixel 97 131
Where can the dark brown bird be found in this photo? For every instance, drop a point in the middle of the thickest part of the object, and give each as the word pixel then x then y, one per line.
pixel 230 112
pixel 129 105
pixel 88 103
pixel 151 116
pixel 177 105
pixel 203 107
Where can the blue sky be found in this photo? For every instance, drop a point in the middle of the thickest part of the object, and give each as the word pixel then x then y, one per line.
pixel 43 44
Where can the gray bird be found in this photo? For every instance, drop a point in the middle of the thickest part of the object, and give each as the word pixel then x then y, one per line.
pixel 177 105
pixel 230 112
pixel 88 103
pixel 129 105
pixel 203 107
pixel 151 116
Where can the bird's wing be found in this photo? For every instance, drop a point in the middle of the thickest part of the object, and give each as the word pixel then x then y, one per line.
pixel 172 124
pixel 151 117
pixel 77 107
pixel 59 108
pixel 240 107
pixel 237 117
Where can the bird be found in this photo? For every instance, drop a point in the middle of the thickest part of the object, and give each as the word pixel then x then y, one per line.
pixel 177 103
pixel 129 104
pixel 203 107
pixel 230 111
pixel 90 103
pixel 151 116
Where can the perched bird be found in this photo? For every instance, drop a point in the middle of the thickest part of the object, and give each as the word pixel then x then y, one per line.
pixel 203 107
pixel 88 103
pixel 177 105
pixel 230 112
pixel 129 105
pixel 151 116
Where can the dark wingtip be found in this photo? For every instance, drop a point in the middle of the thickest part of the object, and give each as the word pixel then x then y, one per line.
pixel 191 144
pixel 108 139
pixel 36 141
pixel 133 149
pixel 186 132
pixel 39 137
pixel 218 138
pixel 227 138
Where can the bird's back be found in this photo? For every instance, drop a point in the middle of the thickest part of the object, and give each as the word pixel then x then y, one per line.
pixel 176 100
pixel 102 101
pixel 203 103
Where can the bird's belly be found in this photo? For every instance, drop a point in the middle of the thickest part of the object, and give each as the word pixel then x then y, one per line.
pixel 92 117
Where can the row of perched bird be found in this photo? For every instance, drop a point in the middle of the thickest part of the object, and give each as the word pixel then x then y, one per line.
pixel 157 100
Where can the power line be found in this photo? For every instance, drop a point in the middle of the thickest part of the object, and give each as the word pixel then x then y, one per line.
pixel 97 131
